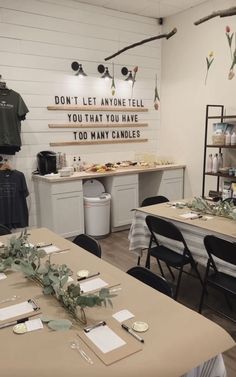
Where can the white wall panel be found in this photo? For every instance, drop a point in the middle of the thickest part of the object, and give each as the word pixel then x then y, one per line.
pixel 39 39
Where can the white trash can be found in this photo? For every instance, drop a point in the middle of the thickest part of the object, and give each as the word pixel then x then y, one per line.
pixel 97 205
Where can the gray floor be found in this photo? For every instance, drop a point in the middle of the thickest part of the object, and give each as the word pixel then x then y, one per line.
pixel 115 250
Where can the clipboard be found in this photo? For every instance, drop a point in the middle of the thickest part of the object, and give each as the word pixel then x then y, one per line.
pixel 29 308
pixel 130 347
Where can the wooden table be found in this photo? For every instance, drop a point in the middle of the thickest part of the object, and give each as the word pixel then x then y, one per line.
pixel 193 231
pixel 174 344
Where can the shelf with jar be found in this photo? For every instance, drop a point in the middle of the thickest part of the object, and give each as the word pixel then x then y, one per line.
pixel 221 137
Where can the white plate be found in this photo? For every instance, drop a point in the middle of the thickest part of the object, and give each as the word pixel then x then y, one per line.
pixel 83 273
pixel 20 328
pixel 140 326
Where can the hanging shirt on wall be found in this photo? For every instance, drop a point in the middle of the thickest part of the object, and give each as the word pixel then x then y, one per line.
pixel 13 193
pixel 12 111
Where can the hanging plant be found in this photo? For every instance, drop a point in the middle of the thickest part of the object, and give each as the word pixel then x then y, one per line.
pixel 156 96
pixel 230 37
pixel 113 86
pixel 135 70
pixel 209 61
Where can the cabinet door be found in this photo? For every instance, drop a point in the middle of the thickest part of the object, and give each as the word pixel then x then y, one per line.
pixel 125 198
pixel 68 214
pixel 172 184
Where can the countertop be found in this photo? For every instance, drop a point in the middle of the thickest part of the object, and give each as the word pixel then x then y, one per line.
pixel 119 171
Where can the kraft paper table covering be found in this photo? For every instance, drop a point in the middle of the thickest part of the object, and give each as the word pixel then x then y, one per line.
pixel 178 339
pixel 220 225
pixel 193 231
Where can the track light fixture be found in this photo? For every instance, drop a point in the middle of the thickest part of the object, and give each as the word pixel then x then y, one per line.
pixel 129 78
pixel 126 72
pixel 79 69
pixel 104 71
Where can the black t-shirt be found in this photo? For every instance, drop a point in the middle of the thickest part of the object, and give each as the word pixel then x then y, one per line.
pixel 12 111
pixel 13 193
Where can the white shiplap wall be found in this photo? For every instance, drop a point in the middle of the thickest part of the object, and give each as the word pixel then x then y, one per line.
pixel 38 42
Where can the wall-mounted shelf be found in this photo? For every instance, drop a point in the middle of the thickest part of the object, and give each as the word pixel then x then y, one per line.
pixel 98 108
pixel 98 125
pixel 119 141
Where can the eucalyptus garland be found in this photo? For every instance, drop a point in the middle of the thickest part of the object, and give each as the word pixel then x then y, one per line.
pixel 19 255
pixel 220 208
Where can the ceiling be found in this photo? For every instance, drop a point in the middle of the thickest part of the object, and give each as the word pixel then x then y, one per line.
pixel 148 8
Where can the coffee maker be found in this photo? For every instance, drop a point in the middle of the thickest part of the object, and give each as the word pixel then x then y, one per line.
pixel 46 162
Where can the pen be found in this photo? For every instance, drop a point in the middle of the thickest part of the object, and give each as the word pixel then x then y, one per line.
pixel 43 245
pixel 14 322
pixel 129 330
pixel 88 277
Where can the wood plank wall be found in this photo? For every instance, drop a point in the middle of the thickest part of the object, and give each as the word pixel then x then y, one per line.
pixel 39 39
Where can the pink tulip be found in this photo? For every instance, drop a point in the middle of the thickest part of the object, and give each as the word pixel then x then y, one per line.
pixel 227 29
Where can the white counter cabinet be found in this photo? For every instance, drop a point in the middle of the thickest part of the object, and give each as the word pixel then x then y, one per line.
pixel 124 197
pixel 59 200
pixel 60 207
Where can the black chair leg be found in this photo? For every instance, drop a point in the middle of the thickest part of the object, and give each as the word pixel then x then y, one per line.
pixel 170 271
pixel 228 302
pixel 202 299
pixel 160 267
pixel 147 264
pixel 194 266
pixel 178 283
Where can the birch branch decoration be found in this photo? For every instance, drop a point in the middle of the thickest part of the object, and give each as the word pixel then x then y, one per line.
pixel 167 36
pixel 221 13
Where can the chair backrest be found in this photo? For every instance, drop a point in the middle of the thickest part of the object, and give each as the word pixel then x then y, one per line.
pixel 221 249
pixel 148 277
pixel 4 230
pixel 154 200
pixel 230 200
pixel 164 228
pixel 88 243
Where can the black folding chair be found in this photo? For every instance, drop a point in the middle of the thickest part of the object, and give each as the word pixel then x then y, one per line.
pixel 151 200
pixel 153 280
pixel 224 251
pixel 88 243
pixel 164 228
pixel 4 230
pixel 154 200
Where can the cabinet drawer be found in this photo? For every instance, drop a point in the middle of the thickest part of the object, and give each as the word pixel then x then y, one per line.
pixel 176 173
pixel 125 180
pixel 63 187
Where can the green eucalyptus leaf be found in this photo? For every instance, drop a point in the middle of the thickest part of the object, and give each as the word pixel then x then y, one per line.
pixel 42 269
pixel 60 324
pixel 48 290
pixel 53 277
pixel 76 291
pixel 46 319
pixel 64 280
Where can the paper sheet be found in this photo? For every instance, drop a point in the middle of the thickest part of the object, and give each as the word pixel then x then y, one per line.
pixel 123 315
pixel 92 285
pixel 190 215
pixel 15 310
pixel 2 276
pixel 105 339
pixel 48 249
pixel 51 249
pixel 34 324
